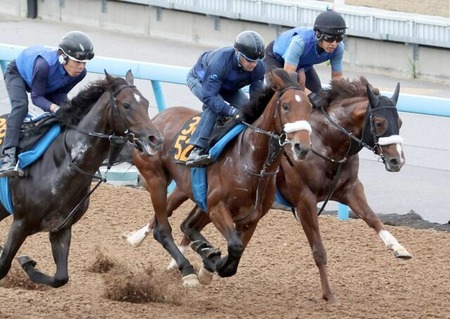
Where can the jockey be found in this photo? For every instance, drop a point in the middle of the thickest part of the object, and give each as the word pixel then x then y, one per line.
pixel 217 79
pixel 48 75
pixel 299 49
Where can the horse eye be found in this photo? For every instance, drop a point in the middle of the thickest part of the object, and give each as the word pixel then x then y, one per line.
pixel 380 125
pixel 285 106
pixel 126 106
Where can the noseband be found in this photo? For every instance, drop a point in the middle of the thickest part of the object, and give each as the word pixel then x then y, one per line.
pixel 114 142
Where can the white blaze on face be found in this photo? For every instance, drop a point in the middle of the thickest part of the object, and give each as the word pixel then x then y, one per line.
pixel 298 98
pixel 137 97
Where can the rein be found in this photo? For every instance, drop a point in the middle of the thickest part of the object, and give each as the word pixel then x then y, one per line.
pixel 115 141
pixel 276 143
pixel 340 163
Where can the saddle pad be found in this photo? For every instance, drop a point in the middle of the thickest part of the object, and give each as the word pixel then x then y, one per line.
pixel 180 149
pixel 198 174
pixel 281 200
pixel 25 159
pixel 30 156
pixel 5 195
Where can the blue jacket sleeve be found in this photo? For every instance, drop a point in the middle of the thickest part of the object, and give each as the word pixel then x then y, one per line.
pixel 215 74
pixel 39 84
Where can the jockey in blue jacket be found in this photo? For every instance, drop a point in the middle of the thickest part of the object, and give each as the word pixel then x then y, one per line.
pixel 217 79
pixel 48 75
pixel 299 49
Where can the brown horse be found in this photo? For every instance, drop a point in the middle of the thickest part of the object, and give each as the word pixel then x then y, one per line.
pixel 241 183
pixel 355 118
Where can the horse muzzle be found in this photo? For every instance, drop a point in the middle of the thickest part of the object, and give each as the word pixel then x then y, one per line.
pixel 298 134
pixel 148 146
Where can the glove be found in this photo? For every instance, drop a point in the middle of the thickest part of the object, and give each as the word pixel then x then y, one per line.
pixel 233 111
pixel 54 108
pixel 317 101
pixel 236 115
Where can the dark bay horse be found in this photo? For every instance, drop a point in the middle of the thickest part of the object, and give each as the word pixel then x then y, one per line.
pixel 355 118
pixel 240 184
pixel 54 193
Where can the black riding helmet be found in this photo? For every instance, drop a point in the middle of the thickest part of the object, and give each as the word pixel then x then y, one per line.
pixel 250 44
pixel 77 46
pixel 330 22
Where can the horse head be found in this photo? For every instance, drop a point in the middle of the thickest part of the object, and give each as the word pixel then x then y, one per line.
pixel 129 115
pixel 384 126
pixel 293 111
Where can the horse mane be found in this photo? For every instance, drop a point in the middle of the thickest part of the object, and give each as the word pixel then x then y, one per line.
pixel 256 106
pixel 74 110
pixel 344 88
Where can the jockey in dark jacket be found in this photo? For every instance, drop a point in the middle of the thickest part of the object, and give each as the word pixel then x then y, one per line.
pixel 217 79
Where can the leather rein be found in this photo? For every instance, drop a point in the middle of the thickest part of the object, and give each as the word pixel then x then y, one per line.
pixel 356 144
pixel 116 141
pixel 275 145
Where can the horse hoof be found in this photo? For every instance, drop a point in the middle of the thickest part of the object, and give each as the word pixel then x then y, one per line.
pixel 402 253
pixel 191 281
pixel 25 261
pixel 205 276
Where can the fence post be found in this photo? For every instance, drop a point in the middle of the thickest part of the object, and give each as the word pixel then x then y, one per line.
pixel 343 212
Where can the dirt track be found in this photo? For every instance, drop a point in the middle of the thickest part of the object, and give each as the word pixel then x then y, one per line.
pixel 277 277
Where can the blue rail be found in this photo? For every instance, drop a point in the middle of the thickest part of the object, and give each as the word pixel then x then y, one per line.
pixel 159 73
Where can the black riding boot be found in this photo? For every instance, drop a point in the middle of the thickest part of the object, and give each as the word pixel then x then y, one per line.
pixel 9 163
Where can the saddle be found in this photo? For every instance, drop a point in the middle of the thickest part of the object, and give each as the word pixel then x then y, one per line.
pixel 181 148
pixel 32 129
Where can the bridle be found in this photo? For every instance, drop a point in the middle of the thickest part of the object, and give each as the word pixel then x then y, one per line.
pixel 369 140
pixel 276 143
pixel 116 144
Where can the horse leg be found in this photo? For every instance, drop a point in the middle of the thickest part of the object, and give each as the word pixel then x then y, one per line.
pixel 191 227
pixel 221 218
pixel 60 242
pixel 162 230
pixel 357 202
pixel 136 238
pixel 15 239
pixel 309 220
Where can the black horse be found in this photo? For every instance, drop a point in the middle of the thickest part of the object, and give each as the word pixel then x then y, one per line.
pixel 54 193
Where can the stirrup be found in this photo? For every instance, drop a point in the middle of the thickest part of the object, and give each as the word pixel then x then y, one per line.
pixel 199 162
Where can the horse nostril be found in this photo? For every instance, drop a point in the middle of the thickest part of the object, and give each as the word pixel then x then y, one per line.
pixel 301 150
pixel 155 140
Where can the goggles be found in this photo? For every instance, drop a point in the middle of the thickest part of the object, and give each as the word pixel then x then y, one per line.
pixel 81 56
pixel 331 38
pixel 248 59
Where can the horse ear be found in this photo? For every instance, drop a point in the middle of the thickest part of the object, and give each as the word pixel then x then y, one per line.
pixel 129 77
pixel 394 97
pixel 373 99
pixel 108 76
pixel 275 80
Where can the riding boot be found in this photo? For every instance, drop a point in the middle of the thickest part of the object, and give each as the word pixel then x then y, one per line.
pixel 9 165
pixel 198 158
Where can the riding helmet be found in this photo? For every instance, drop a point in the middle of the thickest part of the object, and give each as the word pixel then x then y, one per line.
pixel 77 46
pixel 250 44
pixel 330 22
